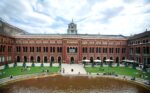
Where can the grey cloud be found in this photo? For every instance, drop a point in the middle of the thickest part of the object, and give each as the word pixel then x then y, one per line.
pixel 110 13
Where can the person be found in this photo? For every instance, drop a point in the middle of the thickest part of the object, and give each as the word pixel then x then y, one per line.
pixel 63 70
pixel 79 73
pixel 11 76
pixel 71 70
pixel 124 77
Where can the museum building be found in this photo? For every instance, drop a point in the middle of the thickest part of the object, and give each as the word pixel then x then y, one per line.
pixel 17 45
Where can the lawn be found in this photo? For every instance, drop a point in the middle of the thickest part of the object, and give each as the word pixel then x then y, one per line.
pixel 21 71
pixel 118 70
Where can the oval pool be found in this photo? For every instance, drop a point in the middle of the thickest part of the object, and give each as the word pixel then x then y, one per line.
pixel 73 84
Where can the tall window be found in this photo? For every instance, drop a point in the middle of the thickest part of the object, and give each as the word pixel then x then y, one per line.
pixel 59 49
pixel 31 49
pixel 25 49
pixel 123 50
pixel 38 49
pixel 72 49
pixel 52 49
pixel 104 50
pixel 45 49
pixel 9 48
pixel 98 50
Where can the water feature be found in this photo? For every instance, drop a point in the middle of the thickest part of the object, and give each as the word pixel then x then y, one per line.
pixel 73 84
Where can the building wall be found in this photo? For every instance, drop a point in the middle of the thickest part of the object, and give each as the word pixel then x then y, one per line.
pixel 139 49
pixel 6 49
pixel 68 48
pixel 25 49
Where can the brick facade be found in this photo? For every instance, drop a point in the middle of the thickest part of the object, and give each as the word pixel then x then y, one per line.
pixel 73 48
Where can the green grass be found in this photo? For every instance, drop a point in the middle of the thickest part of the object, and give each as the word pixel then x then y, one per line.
pixel 17 71
pixel 118 70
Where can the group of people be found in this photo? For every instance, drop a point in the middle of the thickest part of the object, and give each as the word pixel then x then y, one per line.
pixel 45 70
pixel 63 70
pixel 26 68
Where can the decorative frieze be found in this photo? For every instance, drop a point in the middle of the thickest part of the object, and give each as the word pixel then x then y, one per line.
pixel 72 42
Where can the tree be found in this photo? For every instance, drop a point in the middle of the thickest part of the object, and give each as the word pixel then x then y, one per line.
pixel 51 63
pixel 6 66
pixel 24 64
pixel 33 64
pixel 15 64
pixel 42 64
pixel 59 63
pixel 118 64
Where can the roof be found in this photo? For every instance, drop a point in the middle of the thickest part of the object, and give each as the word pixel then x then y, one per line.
pixel 83 36
pixel 141 35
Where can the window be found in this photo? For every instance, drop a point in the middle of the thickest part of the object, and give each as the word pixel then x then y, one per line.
pixel 45 49
pixel 104 50
pixel 38 49
pixel 59 49
pixel 9 48
pixel 123 50
pixel 25 49
pixel 72 49
pixel 31 49
pixel 117 50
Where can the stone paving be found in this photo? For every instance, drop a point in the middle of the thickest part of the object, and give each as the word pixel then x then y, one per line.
pixel 72 69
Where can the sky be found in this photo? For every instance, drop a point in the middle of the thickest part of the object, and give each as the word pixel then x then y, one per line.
pixel 115 17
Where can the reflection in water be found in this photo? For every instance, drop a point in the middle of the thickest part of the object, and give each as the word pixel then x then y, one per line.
pixel 73 84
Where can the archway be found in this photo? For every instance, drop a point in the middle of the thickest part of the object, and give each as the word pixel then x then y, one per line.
pixel 71 60
pixel 84 58
pixel 31 59
pixel 91 59
pixel 111 58
pixel 52 59
pixel 117 59
pixel 59 59
pixel 25 59
pixel 38 59
pixel 104 58
pixel 18 59
pixel 45 59
pixel 98 58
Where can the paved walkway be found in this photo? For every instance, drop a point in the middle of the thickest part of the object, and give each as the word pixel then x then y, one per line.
pixel 72 69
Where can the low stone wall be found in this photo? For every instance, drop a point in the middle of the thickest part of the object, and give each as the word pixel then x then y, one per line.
pixel 30 64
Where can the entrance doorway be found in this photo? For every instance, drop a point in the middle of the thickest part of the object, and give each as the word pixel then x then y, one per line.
pixel 72 60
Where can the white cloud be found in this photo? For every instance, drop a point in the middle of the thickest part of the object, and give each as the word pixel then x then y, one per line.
pixel 92 16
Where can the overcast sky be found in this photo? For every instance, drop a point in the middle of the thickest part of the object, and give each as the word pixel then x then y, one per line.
pixel 124 17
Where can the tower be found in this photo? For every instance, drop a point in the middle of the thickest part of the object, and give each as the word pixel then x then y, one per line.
pixel 72 28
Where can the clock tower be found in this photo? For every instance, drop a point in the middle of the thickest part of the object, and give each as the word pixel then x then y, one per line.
pixel 72 28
